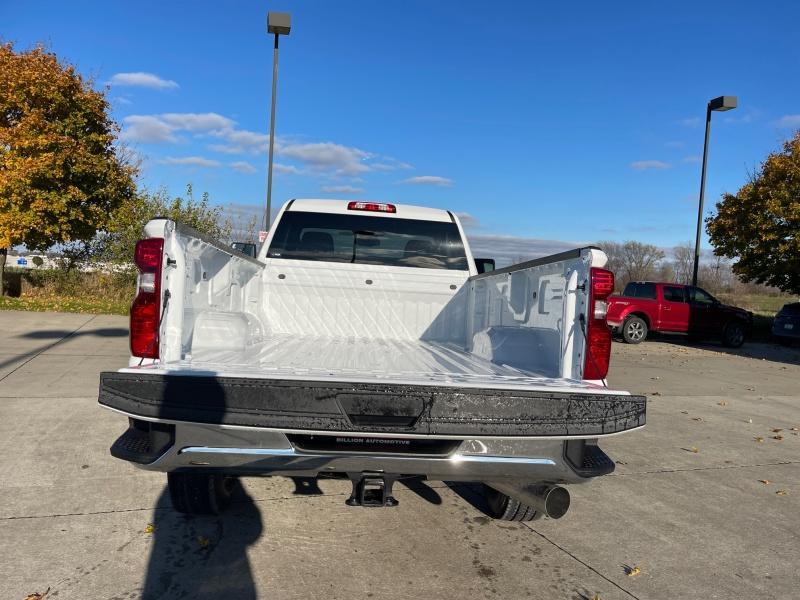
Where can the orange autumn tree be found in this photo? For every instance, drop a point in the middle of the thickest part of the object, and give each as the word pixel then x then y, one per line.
pixel 759 226
pixel 61 175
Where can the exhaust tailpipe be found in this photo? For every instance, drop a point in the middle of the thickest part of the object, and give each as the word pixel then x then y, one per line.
pixel 550 500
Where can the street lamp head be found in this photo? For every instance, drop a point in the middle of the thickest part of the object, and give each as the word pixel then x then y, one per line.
pixel 722 103
pixel 279 23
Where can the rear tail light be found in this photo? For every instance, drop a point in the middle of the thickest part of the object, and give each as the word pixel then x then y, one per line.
pixel 598 335
pixel 372 206
pixel 146 308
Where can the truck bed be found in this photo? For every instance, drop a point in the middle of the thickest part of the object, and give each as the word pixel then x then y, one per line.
pixel 409 362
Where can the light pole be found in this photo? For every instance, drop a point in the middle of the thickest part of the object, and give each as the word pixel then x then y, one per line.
pixel 279 24
pixel 719 104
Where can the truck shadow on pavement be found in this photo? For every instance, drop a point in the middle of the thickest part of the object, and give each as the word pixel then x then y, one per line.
pixel 58 336
pixel 203 557
pixel 52 334
pixel 768 351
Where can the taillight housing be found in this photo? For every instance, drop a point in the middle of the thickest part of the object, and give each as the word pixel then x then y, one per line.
pixel 372 207
pixel 598 335
pixel 146 307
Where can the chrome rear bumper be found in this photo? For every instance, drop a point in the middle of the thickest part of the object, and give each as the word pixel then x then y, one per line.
pixel 261 451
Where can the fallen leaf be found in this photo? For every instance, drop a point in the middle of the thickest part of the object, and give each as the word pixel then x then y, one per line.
pixel 697 418
pixel 150 528
pixel 596 597
pixel 794 429
pixel 633 571
pixel 203 541
pixel 749 420
pixel 777 437
pixel 765 481
pixel 684 412
pixel 759 439
pixel 37 595
pixel 723 403
pixel 776 430
pixel 781 492
pixel 655 393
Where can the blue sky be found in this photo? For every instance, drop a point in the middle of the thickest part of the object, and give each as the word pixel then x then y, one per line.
pixel 575 122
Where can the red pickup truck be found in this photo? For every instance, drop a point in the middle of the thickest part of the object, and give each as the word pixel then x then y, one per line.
pixel 646 306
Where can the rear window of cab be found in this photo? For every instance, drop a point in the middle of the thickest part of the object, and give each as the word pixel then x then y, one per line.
pixel 368 240
pixel 640 290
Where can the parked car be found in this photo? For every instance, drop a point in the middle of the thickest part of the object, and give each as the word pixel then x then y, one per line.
pixel 362 343
pixel 786 325
pixel 647 306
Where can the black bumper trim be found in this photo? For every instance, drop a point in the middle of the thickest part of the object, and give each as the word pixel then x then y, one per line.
pixel 361 407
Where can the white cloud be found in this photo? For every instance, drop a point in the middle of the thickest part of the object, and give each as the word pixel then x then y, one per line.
pixel 643 165
pixel 243 167
pixel 389 164
pixel 163 127
pixel 192 161
pixel 221 134
pixel 341 189
pixel 289 169
pixel 139 79
pixel 692 159
pixel 325 156
pixel 196 121
pixel 467 220
pixel 241 141
pixel 148 129
pixel 428 180
pixel 789 121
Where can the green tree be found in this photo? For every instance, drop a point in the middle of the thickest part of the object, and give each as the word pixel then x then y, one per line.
pixel 759 226
pixel 61 176
pixel 129 220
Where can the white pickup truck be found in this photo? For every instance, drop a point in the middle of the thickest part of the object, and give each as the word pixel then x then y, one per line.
pixel 362 343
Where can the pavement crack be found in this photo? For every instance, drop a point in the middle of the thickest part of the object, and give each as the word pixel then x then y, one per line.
pixel 715 468
pixel 162 508
pixel 588 566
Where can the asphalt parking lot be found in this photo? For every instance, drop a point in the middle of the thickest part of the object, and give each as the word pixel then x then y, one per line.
pixel 687 504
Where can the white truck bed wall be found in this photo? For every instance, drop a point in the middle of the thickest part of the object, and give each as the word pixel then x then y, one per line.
pixel 361 301
pixel 524 317
pixel 208 291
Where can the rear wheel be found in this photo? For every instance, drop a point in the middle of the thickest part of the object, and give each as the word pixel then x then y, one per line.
pixel 733 335
pixel 200 493
pixel 634 330
pixel 505 508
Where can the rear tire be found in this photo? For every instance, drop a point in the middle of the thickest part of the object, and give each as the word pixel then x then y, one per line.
pixel 200 493
pixel 733 335
pixel 634 330
pixel 505 508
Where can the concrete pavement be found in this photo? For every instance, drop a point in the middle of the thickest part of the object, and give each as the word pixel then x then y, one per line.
pixel 698 524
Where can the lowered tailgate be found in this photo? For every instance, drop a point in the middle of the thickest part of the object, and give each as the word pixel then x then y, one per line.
pixel 391 408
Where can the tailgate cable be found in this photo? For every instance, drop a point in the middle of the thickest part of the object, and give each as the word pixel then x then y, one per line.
pixel 582 320
pixel 160 321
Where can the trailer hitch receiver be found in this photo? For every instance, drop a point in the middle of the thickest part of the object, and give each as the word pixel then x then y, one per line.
pixel 371 489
